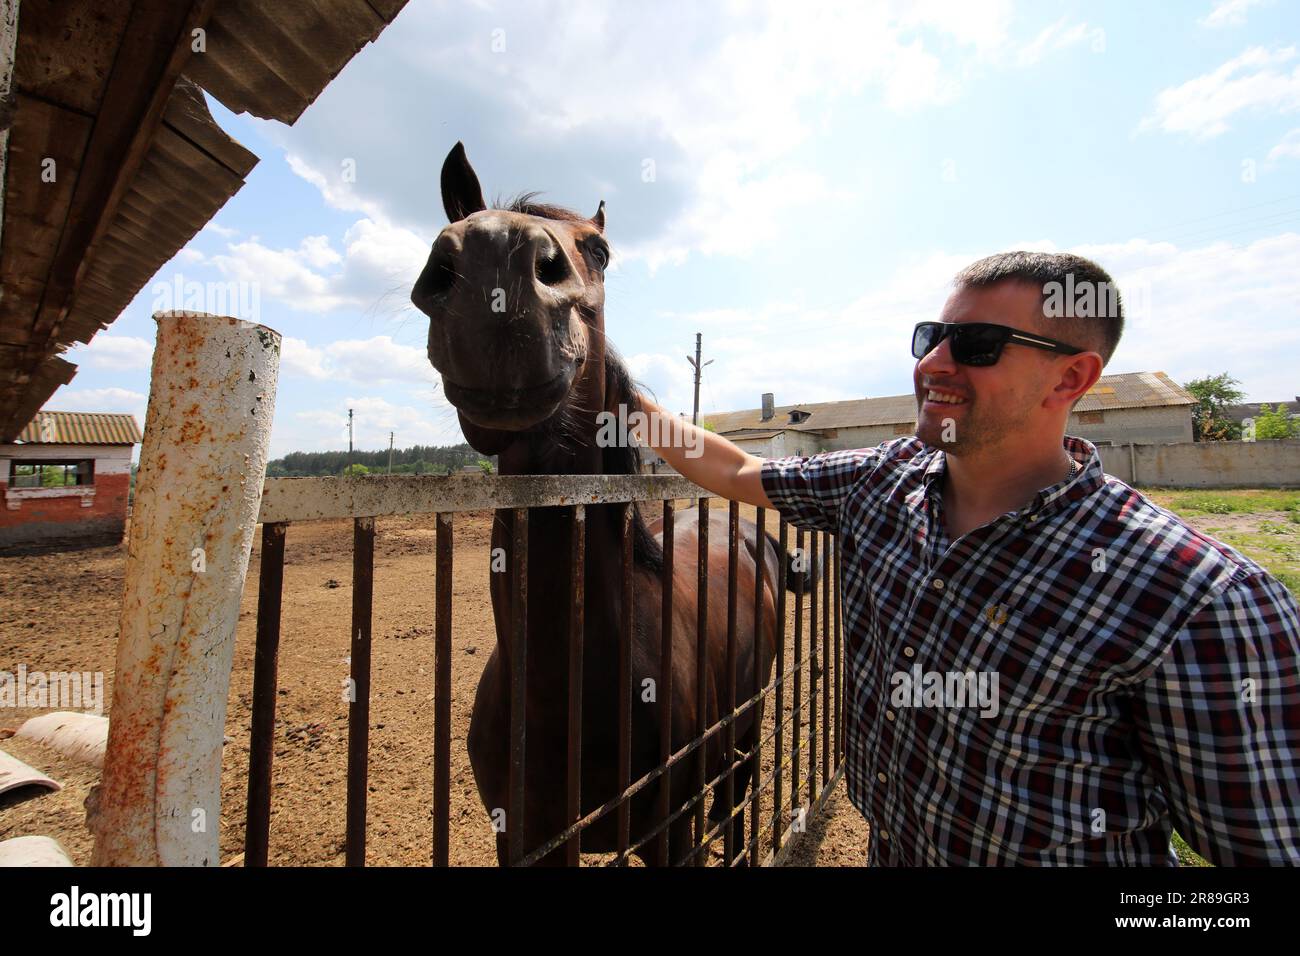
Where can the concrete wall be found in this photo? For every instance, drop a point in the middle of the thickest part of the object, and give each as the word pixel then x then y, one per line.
pixel 1185 464
pixel 1215 464
pixel 58 518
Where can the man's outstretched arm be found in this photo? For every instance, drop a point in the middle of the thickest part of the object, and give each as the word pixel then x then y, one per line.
pixel 698 454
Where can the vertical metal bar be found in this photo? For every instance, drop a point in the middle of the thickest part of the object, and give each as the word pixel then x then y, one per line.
pixel 828 572
pixel 442 689
pixel 814 666
pixel 270 588
pixel 577 602
pixel 363 582
pixel 778 825
pixel 701 670
pixel 756 761
pixel 625 690
pixel 839 657
pixel 664 693
pixel 518 684
pixel 729 681
pixel 797 731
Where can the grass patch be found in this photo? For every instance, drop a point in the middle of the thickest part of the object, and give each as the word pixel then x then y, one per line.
pixel 1186 855
pixel 1227 501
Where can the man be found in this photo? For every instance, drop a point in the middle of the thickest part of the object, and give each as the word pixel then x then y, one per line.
pixel 1043 666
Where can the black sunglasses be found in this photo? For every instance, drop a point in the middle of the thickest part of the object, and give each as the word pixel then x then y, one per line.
pixel 979 343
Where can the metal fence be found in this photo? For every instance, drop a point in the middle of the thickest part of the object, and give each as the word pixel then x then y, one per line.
pixel 804 733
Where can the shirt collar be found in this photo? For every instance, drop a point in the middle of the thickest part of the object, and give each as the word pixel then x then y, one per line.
pixel 1088 476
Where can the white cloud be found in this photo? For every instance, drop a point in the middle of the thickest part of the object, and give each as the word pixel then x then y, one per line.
pixel 1287 148
pixel 224 231
pixel 378 263
pixel 578 99
pixel 1055 37
pixel 334 188
pixel 374 361
pixel 299 358
pixel 1228 13
pixel 1190 312
pixel 100 400
pixel 119 353
pixel 1256 80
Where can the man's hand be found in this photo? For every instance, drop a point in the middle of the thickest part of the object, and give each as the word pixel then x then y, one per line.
pixel 696 453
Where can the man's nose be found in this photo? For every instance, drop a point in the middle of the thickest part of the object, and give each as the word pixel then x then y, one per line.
pixel 938 360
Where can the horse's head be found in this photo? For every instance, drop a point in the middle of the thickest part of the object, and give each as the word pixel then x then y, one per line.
pixel 515 301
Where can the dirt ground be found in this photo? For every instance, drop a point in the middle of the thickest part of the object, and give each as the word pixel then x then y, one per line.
pixel 60 612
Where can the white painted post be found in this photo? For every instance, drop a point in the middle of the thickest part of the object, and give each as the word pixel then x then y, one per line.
pixel 198 493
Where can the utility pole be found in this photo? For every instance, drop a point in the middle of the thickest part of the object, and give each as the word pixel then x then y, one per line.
pixel 695 364
pixel 349 443
pixel 390 453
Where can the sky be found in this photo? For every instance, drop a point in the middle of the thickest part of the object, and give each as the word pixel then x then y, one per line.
pixel 798 182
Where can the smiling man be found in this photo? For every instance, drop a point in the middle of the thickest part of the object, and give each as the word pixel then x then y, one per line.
pixel 1147 676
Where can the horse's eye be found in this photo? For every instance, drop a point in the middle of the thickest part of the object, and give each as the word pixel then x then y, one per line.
pixel 600 252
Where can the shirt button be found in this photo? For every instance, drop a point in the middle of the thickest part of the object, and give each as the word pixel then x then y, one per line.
pixel 884 835
pixel 937 584
pixel 908 652
pixel 882 778
pixel 889 715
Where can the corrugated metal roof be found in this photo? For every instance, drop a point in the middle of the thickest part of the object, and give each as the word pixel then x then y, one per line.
pixel 81 428
pixel 1122 390
pixel 271 59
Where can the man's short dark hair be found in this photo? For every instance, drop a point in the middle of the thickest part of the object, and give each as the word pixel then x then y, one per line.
pixel 1079 296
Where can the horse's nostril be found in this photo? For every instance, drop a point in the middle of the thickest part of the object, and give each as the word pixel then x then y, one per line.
pixel 437 278
pixel 551 269
pixel 442 277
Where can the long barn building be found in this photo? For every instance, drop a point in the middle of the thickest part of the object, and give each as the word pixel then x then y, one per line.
pixel 1129 407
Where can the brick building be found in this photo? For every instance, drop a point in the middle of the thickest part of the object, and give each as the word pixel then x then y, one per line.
pixel 66 481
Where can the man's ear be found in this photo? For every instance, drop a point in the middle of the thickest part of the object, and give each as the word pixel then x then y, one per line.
pixel 1077 376
pixel 461 192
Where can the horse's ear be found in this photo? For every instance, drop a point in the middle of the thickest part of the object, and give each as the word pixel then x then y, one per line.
pixel 461 193
pixel 599 218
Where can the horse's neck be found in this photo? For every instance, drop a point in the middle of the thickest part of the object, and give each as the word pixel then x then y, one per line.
pixel 572 452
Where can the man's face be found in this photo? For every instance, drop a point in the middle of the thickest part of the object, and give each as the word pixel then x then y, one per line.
pixel 1000 404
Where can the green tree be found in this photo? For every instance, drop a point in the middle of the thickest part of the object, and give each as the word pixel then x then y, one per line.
pixel 1272 424
pixel 485 465
pixel 709 426
pixel 354 470
pixel 1213 394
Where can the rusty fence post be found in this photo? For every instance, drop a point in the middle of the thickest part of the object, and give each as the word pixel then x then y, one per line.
pixel 198 493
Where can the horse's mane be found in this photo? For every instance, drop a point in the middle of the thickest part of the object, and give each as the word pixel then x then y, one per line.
pixel 525 204
pixel 620 388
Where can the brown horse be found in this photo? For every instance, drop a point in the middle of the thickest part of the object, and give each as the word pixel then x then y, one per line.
pixel 515 300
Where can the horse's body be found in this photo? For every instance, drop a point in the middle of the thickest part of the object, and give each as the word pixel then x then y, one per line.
pixel 546 265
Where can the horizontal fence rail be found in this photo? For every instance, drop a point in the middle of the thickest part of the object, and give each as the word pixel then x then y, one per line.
pixel 779 802
pixel 311 499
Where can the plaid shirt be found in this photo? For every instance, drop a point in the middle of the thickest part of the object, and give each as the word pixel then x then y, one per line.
pixel 1143 676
